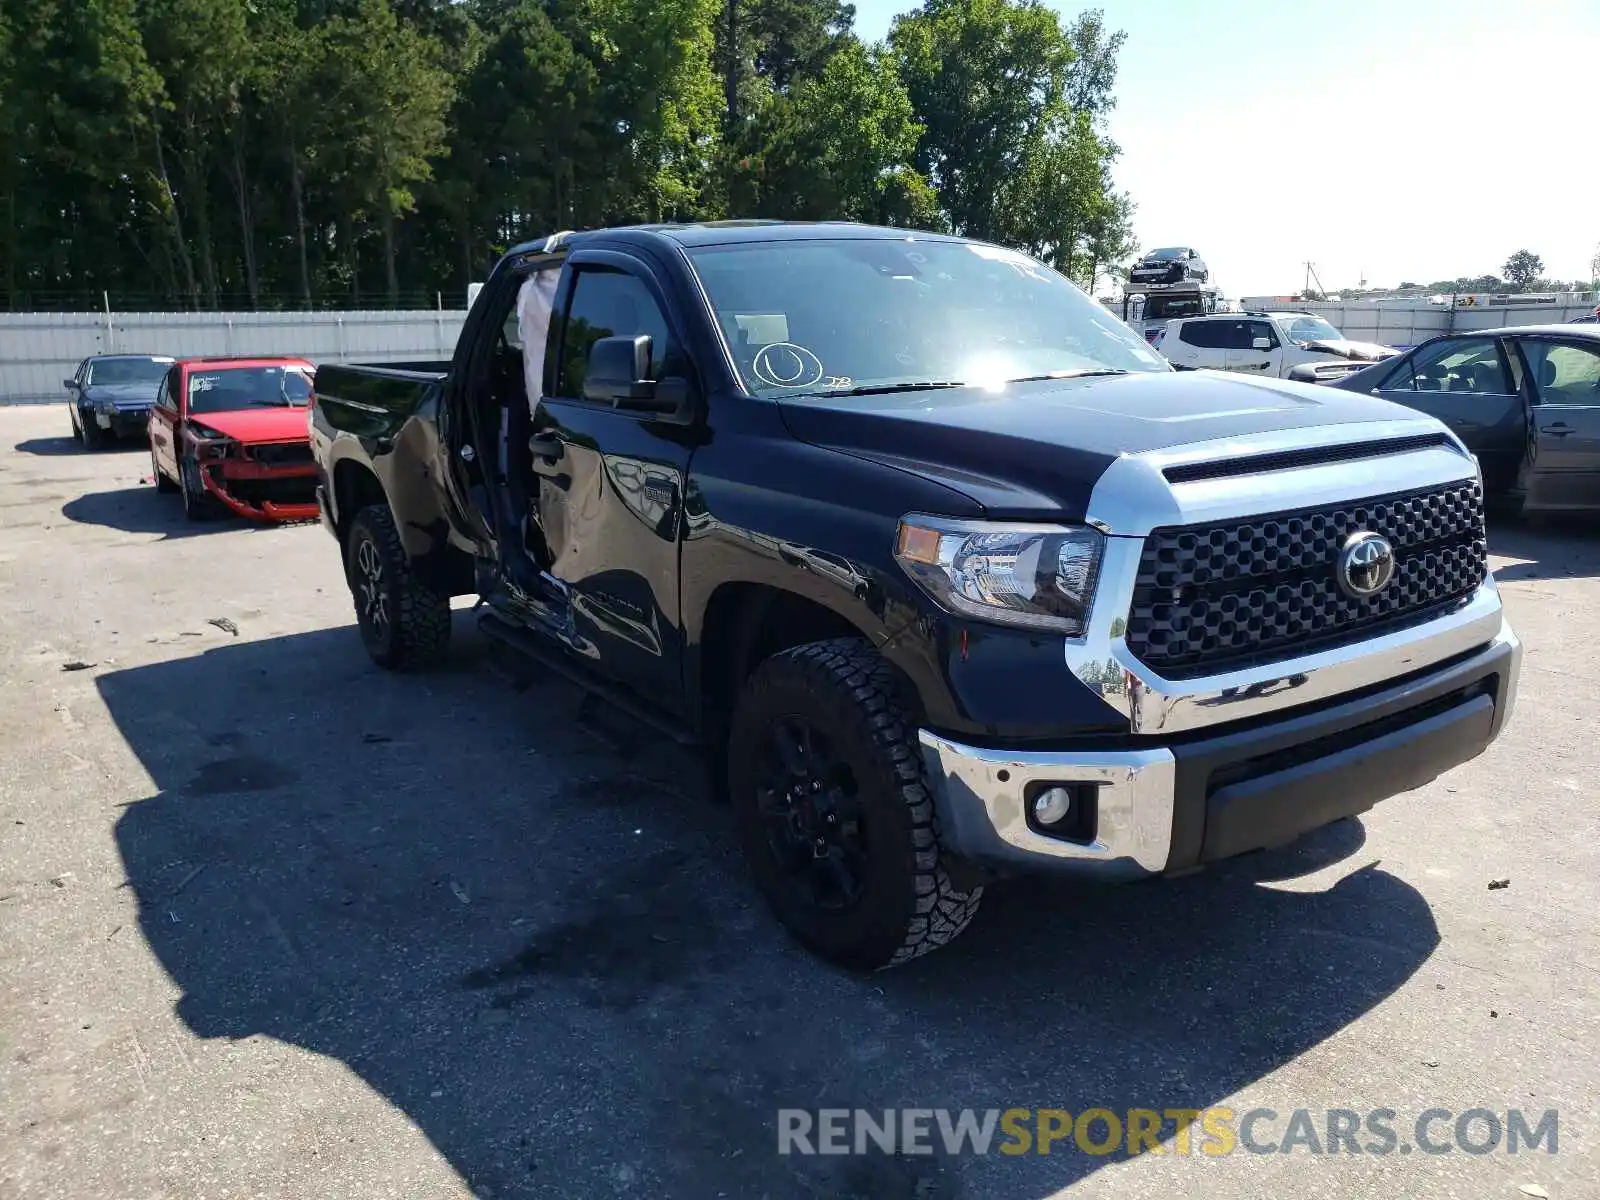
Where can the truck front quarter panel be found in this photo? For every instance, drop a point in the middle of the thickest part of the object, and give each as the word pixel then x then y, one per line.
pixel 767 510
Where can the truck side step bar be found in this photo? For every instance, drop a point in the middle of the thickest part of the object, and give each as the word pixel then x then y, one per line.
pixel 531 645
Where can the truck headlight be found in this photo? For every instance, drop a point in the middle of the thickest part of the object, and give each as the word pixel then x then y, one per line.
pixel 1034 576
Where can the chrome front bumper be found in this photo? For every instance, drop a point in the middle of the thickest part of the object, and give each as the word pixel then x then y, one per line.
pixel 1155 801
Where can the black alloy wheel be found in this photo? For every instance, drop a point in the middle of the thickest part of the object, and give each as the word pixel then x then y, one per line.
pixel 806 796
pixel 403 622
pixel 833 810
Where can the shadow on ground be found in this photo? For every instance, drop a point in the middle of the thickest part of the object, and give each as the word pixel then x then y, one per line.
pixel 533 938
pixel 1554 548
pixel 51 447
pixel 143 509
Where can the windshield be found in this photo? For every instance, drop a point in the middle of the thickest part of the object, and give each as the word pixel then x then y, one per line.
pixel 1313 329
pixel 225 389
pixel 1173 306
pixel 108 371
pixel 818 317
pixel 1168 253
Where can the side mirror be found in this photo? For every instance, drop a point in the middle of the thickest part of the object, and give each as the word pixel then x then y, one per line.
pixel 618 375
pixel 70 384
pixel 1261 344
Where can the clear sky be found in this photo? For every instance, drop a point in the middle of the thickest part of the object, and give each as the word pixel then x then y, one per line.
pixel 1403 140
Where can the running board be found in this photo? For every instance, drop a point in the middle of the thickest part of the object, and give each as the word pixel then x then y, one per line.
pixel 531 645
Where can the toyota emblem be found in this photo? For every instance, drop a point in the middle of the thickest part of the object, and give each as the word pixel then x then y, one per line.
pixel 1366 564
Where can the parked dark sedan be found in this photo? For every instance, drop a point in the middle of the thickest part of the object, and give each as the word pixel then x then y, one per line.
pixel 112 395
pixel 1169 264
pixel 1526 401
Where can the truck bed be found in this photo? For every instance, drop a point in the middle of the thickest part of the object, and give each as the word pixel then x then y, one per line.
pixel 372 399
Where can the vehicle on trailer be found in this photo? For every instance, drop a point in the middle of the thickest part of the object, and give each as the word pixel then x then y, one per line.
pixel 1524 400
pixel 1282 345
pixel 946 571
pixel 111 395
pixel 1169 264
pixel 230 435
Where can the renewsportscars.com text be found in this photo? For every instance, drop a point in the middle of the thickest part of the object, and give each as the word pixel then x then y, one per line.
pixel 1212 1132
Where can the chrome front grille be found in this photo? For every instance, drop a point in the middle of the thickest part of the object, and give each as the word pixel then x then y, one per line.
pixel 1214 597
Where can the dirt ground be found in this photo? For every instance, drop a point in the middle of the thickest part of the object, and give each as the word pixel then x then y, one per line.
pixel 276 923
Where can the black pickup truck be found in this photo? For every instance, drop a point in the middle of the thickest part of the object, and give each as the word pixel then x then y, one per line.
pixel 949 574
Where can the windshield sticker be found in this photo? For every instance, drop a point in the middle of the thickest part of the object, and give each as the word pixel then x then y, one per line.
pixel 785 364
pixel 203 383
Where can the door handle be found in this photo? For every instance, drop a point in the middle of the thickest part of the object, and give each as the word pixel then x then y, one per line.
pixel 546 446
pixel 1560 430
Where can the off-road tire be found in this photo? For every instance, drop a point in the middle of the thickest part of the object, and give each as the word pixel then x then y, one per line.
pixel 909 905
pixel 163 484
pixel 416 629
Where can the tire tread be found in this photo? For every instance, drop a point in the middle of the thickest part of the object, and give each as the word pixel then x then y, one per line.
pixel 421 617
pixel 940 910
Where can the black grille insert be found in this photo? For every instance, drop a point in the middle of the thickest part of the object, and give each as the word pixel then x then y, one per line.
pixel 282 454
pixel 1216 597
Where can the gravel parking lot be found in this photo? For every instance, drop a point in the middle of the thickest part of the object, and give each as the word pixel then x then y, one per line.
pixel 273 922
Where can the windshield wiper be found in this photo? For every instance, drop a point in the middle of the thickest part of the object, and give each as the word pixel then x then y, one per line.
pixel 1066 375
pixel 280 403
pixel 883 389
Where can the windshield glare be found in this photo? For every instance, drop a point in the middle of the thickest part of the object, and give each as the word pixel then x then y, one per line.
pixel 1313 329
pixel 814 317
pixel 1167 253
pixel 231 388
pixel 111 371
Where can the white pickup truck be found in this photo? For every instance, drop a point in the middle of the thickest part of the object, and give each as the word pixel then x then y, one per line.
pixel 1281 344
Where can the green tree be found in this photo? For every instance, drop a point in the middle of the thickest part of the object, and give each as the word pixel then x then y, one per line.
pixel 1092 75
pixel 659 94
pixel 199 48
pixel 1521 269
pixel 78 93
pixel 1110 241
pixel 1011 106
pixel 838 146
pixel 765 46
pixel 987 82
pixel 384 91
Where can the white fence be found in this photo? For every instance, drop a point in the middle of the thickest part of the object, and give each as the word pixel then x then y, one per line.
pixel 1395 326
pixel 39 350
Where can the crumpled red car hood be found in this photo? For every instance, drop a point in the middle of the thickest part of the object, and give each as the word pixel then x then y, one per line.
pixel 274 423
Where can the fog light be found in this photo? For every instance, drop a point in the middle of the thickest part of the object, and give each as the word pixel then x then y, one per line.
pixel 1052 806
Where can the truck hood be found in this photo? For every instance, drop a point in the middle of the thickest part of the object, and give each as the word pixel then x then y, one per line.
pixel 1357 351
pixel 1038 448
pixel 274 423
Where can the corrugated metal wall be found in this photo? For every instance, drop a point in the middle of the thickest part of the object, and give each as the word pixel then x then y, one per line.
pixel 1407 326
pixel 39 350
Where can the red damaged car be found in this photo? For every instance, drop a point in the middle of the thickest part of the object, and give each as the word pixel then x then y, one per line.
pixel 231 433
